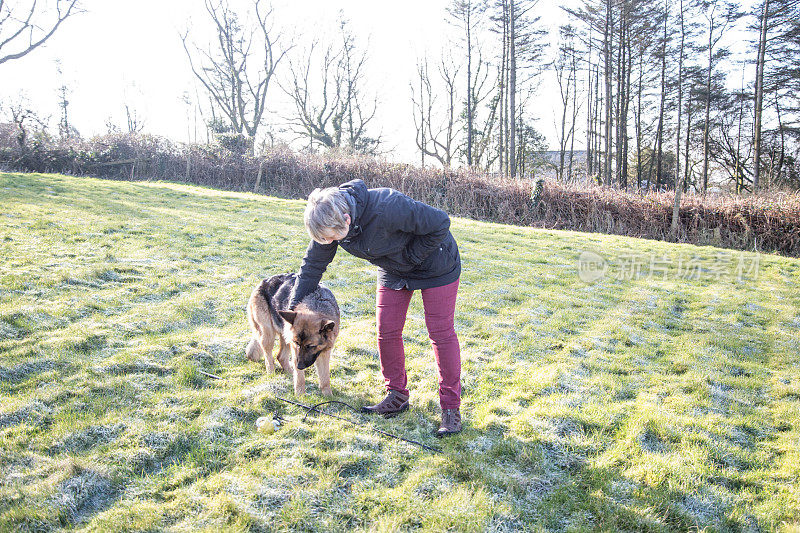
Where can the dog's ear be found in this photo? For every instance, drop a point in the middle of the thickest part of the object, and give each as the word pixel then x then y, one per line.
pixel 288 316
pixel 327 326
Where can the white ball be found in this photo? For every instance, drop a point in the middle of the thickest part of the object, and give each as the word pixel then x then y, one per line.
pixel 265 425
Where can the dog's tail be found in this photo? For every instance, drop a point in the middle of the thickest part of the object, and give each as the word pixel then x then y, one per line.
pixel 259 316
pixel 259 309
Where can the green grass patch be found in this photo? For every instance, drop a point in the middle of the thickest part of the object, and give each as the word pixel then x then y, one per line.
pixel 640 402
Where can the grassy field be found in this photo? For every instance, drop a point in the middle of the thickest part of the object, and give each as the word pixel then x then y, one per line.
pixel 663 396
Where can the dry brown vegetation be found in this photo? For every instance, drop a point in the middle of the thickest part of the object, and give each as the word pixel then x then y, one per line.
pixel 768 222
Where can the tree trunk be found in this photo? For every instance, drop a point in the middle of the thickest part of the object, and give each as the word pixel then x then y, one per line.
pixel 598 122
pixel 620 94
pixel 503 90
pixel 707 126
pixel 680 109
pixel 738 173
pixel 759 90
pixel 783 138
pixel 589 110
pixel 660 151
pixel 624 119
pixel 574 114
pixel 609 96
pixel 639 135
pixel 562 139
pixel 512 91
pixel 688 138
pixel 469 84
pixel 673 230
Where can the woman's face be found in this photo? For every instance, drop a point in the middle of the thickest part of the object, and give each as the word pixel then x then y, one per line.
pixel 332 235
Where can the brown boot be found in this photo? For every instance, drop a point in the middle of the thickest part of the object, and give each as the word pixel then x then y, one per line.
pixel 451 423
pixel 395 403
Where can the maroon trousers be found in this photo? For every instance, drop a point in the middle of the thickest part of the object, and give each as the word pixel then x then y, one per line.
pixel 439 304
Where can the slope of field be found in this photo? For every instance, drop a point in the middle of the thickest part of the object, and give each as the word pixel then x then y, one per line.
pixel 662 396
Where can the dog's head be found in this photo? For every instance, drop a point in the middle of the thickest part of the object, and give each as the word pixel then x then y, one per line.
pixel 311 335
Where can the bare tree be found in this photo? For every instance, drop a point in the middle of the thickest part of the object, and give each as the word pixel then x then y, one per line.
pixel 135 122
pixel 600 18
pixel 520 62
pixel 22 30
pixel 662 55
pixel 237 70
pixel 759 90
pixel 436 132
pixel 777 75
pixel 358 113
pixel 725 146
pixel 566 71
pixel 686 27
pixel 65 129
pixel 331 108
pixel 321 121
pixel 466 15
pixel 482 88
pixel 26 121
pixel 719 16
pixel 512 87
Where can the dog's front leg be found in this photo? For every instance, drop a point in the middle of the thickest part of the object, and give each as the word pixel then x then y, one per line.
pixel 323 365
pixel 299 382
pixel 298 376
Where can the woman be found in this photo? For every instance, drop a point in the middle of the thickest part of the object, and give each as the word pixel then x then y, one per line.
pixel 411 244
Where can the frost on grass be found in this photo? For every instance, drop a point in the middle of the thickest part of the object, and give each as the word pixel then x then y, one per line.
pixel 23 370
pixel 36 413
pixel 109 276
pixel 725 399
pixel 270 498
pixel 204 358
pixel 77 282
pixel 649 441
pixel 228 414
pixel 266 499
pixel 622 491
pixel 89 438
pixel 570 387
pixel 17 469
pixel 138 367
pixel 502 523
pixel 225 348
pixel 216 431
pixel 706 506
pixel 8 331
pixel 83 495
pixel 161 449
pixel 273 387
pixel 159 441
pixel 551 458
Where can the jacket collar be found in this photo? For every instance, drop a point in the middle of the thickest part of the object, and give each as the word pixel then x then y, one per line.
pixel 355 192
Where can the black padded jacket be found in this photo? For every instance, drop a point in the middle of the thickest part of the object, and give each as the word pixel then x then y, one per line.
pixel 409 241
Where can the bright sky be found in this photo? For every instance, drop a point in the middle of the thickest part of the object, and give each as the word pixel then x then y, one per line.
pixel 130 52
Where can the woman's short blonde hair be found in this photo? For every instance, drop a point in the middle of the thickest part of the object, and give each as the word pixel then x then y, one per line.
pixel 325 212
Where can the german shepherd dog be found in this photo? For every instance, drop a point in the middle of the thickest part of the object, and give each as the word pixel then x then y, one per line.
pixel 306 334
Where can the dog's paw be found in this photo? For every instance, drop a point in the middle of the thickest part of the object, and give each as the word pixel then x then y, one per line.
pixel 327 392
